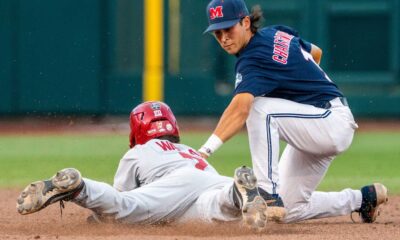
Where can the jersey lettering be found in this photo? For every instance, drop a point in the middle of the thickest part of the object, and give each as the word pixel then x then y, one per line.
pixel 279 59
pixel 166 146
pixel 201 164
pixel 193 152
pixel 281 47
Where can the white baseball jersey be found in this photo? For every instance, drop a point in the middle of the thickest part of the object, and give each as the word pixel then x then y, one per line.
pixel 160 182
pixel 147 163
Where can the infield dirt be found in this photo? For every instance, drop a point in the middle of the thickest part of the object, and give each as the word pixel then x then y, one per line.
pixel 48 224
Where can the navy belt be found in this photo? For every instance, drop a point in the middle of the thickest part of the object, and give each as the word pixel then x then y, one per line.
pixel 327 104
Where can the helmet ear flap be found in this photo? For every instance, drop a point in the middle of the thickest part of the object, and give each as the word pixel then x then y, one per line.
pixel 132 141
pixel 134 123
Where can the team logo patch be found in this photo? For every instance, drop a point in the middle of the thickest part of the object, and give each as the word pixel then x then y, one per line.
pixel 169 127
pixel 238 79
pixel 155 106
pixel 216 12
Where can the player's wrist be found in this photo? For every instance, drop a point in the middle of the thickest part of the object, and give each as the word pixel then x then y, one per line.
pixel 212 144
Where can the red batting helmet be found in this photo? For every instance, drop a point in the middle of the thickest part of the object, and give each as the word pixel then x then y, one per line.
pixel 151 120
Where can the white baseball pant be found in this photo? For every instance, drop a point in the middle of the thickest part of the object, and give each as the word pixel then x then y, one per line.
pixel 185 194
pixel 314 136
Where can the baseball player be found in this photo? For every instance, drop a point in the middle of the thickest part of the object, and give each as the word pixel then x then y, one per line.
pixel 282 93
pixel 158 180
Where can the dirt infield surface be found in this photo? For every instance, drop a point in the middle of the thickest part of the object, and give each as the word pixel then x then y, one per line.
pixel 48 224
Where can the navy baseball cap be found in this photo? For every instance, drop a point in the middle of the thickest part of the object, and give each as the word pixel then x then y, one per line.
pixel 224 14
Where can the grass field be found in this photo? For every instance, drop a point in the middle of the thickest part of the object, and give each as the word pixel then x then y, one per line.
pixel 372 157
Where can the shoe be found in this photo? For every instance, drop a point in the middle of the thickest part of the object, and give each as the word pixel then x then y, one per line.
pixel 248 199
pixel 63 186
pixel 276 209
pixel 372 197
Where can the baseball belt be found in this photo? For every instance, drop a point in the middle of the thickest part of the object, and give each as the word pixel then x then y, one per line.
pixel 328 104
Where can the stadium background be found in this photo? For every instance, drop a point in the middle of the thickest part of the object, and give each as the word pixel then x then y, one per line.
pixel 71 71
pixel 91 57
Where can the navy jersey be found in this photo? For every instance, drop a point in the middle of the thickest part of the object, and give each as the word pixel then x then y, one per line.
pixel 277 63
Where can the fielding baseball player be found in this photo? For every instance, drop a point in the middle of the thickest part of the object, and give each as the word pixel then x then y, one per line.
pixel 282 93
pixel 158 180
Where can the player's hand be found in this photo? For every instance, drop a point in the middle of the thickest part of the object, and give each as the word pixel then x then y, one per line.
pixel 203 155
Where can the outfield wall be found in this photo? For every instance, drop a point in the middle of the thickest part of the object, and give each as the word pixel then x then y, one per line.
pixel 87 56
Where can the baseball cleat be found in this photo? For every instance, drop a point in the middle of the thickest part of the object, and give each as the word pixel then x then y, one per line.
pixel 275 208
pixel 63 186
pixel 372 197
pixel 248 199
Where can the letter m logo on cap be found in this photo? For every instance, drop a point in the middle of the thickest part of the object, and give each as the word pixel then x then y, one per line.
pixel 216 12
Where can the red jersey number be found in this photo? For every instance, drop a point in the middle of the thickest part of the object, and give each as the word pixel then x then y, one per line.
pixel 201 164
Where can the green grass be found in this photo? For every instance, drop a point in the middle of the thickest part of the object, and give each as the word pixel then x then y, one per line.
pixel 26 158
pixel 372 157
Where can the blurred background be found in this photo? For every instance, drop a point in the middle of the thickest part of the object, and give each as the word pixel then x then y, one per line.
pixel 88 57
pixel 71 71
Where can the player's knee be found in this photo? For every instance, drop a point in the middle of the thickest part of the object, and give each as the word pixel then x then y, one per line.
pixel 296 213
pixel 341 145
pixel 338 148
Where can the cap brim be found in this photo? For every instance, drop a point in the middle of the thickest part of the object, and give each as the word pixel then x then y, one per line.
pixel 221 25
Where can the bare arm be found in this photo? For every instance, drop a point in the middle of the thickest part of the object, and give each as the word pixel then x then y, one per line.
pixel 234 116
pixel 316 53
pixel 230 123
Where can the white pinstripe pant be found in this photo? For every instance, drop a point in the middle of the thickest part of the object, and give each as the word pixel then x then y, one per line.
pixel 314 136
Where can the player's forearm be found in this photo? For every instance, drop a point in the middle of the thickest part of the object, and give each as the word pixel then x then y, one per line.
pixel 231 122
